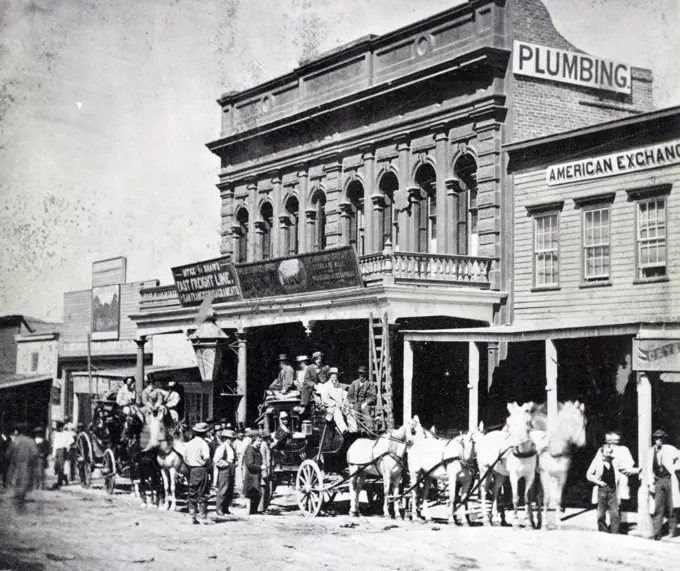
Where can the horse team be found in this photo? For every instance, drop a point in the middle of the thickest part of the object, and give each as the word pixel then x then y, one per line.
pixel 526 446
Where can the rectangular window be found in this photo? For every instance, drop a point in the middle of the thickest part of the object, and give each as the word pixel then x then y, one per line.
pixel 34 361
pixel 651 238
pixel 546 249
pixel 596 262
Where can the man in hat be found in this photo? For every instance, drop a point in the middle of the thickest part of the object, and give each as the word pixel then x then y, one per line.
pixel 225 462
pixel 262 442
pixel 334 399
pixel 171 401
pixel 127 395
pixel 662 462
pixel 284 382
pixel 22 459
pixel 282 434
pixel 609 471
pixel 302 364
pixel 316 374
pixel 197 459
pixel 252 472
pixel 362 396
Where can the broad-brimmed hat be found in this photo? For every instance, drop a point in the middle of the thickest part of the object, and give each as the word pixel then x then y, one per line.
pixel 228 434
pixel 333 370
pixel 283 414
pixel 302 358
pixel 612 438
pixel 317 354
pixel 172 384
pixel 283 357
pixel 362 369
pixel 200 427
pixel 660 434
pixel 252 433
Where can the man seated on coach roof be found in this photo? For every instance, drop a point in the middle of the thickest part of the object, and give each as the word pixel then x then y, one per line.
pixel 315 375
pixel 362 396
pixel 283 386
pixel 334 399
pixel 302 364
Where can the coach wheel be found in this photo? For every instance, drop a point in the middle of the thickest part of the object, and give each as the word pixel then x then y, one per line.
pixel 309 488
pixel 109 471
pixel 84 459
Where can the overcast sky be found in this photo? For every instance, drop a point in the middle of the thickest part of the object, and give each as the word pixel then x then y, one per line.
pixel 104 114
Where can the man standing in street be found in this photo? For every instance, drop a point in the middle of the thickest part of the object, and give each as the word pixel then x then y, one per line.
pixel 225 462
pixel 662 462
pixel 362 396
pixel 267 468
pixel 22 459
pixel 252 472
pixel 197 459
pixel 609 471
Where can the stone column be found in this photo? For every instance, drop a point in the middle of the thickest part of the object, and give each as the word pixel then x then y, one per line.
pixel 551 381
pixel 310 229
pixel 377 201
pixel 644 403
pixel 473 386
pixel 443 225
pixel 345 208
pixel 139 375
pixel 303 177
pixel 253 215
pixel 276 208
pixel 258 238
pixel 370 245
pixel 408 379
pixel 403 217
pixel 227 217
pixel 285 238
pixel 242 376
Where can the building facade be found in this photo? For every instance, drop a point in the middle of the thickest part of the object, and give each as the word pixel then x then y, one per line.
pixel 392 145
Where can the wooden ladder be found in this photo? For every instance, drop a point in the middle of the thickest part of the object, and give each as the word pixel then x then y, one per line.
pixel 380 369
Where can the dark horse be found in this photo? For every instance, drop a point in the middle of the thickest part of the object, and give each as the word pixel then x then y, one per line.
pixel 145 473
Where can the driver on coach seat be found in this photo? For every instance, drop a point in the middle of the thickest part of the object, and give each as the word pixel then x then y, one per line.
pixel 283 386
pixel 316 374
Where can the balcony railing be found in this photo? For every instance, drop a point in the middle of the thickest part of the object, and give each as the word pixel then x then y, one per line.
pixel 397 267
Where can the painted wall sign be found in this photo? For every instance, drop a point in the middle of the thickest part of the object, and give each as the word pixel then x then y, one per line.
pixel 639 159
pixel 194 282
pixel 656 355
pixel 316 271
pixel 573 68
pixel 105 312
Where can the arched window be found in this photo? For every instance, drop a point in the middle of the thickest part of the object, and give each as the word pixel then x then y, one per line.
pixel 241 253
pixel 289 228
pixel 425 210
pixel 355 231
pixel 266 225
pixel 465 170
pixel 387 222
pixel 319 235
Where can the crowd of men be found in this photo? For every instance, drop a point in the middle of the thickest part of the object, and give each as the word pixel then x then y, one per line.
pixel 351 407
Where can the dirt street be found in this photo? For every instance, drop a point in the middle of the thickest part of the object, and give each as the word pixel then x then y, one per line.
pixel 88 530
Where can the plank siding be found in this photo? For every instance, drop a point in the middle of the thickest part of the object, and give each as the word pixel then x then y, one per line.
pixel 622 297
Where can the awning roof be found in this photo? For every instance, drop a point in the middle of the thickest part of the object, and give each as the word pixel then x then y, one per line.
pixel 125 372
pixel 7 381
pixel 525 331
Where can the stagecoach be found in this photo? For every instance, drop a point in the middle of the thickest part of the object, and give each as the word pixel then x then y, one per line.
pixel 101 447
pixel 314 458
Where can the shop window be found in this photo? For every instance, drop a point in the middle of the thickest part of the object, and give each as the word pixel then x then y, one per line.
pixel 596 237
pixel 289 228
pixel 266 224
pixel 355 221
pixel 425 208
pixel 241 251
pixel 388 227
pixel 319 227
pixel 651 238
pixel 546 231
pixel 34 361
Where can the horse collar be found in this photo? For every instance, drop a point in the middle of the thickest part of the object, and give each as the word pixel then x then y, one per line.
pixel 518 454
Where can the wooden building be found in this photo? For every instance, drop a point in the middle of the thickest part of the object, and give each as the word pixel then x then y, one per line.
pixel 393 145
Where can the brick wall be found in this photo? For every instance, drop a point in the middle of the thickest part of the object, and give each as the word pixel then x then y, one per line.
pixel 542 107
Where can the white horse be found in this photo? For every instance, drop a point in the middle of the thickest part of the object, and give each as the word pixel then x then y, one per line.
pixel 169 455
pixel 433 458
pixel 384 457
pixel 507 452
pixel 555 447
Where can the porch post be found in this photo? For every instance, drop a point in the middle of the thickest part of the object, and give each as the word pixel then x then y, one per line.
pixel 551 381
pixel 139 373
pixel 408 379
pixel 473 386
pixel 644 399
pixel 241 377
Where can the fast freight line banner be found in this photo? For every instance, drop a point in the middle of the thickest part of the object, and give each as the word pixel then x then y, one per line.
pixel 194 282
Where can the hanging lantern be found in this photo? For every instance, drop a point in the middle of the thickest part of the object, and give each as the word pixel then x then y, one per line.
pixel 208 341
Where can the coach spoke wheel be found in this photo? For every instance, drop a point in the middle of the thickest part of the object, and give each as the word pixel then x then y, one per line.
pixel 309 488
pixel 84 460
pixel 109 471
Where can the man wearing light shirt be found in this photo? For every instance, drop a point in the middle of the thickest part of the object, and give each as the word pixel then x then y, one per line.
pixel 334 398
pixel 197 459
pixel 225 462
